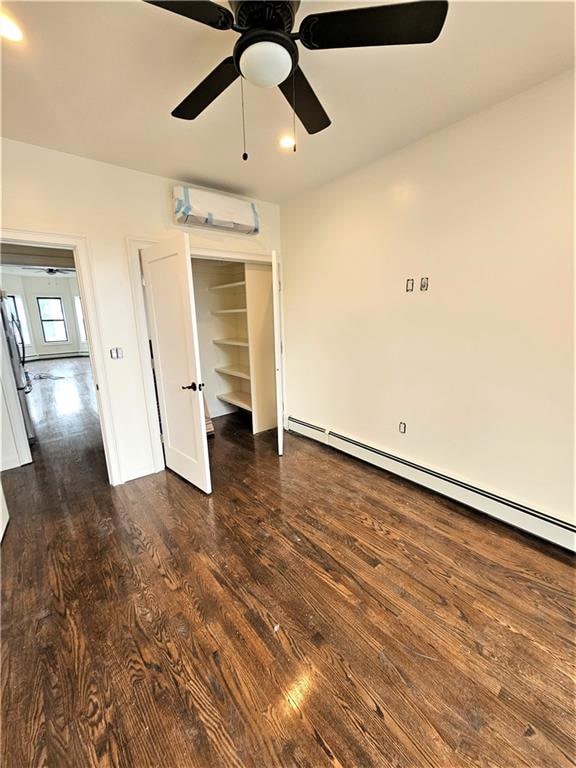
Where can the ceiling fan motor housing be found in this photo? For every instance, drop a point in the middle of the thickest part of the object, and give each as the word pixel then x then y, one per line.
pixel 265 14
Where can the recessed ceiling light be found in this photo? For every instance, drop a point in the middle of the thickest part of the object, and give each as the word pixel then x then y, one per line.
pixel 9 30
pixel 287 142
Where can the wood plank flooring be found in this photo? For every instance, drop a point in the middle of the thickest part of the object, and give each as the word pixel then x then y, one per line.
pixel 314 611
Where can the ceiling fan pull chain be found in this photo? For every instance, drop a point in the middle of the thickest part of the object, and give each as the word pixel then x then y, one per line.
pixel 294 108
pixel 244 154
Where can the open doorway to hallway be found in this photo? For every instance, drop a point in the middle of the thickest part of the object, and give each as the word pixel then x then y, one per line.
pixel 64 413
pixel 43 322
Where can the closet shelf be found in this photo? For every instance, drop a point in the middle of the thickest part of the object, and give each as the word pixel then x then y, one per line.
pixel 223 286
pixel 232 342
pixel 241 371
pixel 229 311
pixel 241 399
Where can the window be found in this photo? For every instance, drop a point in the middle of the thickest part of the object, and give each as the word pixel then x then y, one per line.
pixel 80 319
pixel 52 319
pixel 16 310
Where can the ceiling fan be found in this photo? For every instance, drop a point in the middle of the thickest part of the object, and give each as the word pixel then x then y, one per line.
pixel 52 270
pixel 266 53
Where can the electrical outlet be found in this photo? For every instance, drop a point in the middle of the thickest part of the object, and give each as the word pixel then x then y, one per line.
pixel 423 283
pixel 402 428
pixel 410 285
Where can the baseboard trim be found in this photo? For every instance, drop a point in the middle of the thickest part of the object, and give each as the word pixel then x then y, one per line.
pixel 10 463
pixel 508 511
pixel 63 356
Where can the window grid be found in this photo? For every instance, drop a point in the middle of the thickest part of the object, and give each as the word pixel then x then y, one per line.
pixel 52 323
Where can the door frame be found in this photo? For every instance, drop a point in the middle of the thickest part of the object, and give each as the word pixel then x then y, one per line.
pixel 278 346
pixel 133 246
pixel 79 245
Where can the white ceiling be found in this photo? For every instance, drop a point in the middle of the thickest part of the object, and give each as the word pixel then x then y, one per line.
pixel 99 79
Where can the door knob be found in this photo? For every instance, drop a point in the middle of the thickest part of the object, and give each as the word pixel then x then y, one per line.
pixel 195 387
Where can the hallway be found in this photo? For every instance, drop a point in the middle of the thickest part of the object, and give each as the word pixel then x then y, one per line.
pixel 63 397
pixel 65 415
pixel 314 611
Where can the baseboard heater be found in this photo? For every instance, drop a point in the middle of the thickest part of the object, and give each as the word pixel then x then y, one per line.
pixel 508 511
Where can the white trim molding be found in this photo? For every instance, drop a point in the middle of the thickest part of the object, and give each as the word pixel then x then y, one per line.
pixel 80 247
pixel 134 245
pixel 4 514
pixel 526 519
pixel 221 255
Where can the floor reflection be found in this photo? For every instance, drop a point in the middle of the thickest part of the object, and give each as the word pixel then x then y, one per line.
pixel 63 400
pixel 67 397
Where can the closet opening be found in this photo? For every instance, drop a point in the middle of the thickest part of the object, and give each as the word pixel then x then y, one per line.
pixel 236 341
pixel 213 326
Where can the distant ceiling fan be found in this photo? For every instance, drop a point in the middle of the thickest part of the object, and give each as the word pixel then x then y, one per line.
pixel 51 270
pixel 266 53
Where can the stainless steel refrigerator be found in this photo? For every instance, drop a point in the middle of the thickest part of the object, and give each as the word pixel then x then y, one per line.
pixel 17 352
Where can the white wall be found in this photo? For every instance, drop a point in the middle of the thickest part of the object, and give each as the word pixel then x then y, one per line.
pixel 481 366
pixel 29 288
pixel 48 191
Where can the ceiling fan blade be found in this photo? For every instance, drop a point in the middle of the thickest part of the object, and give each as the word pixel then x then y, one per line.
pixel 400 24
pixel 304 102
pixel 208 90
pixel 204 11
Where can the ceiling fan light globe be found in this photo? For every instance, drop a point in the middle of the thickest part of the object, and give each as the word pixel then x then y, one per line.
pixel 265 64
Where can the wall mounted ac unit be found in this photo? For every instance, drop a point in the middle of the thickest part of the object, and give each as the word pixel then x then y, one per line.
pixel 211 210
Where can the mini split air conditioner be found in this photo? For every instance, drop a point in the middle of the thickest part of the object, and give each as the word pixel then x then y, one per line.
pixel 211 210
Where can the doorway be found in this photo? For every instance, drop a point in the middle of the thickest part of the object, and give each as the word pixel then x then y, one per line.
pixel 45 327
pixel 213 329
pixel 64 414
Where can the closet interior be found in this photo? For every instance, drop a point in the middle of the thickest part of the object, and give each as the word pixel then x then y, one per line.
pixel 234 311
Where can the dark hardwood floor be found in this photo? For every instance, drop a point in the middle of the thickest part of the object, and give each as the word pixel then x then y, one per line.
pixel 314 611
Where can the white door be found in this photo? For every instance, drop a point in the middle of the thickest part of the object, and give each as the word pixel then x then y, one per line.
pixel 169 290
pixel 276 287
